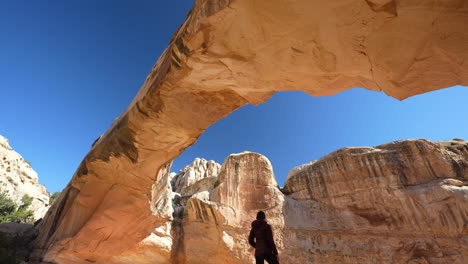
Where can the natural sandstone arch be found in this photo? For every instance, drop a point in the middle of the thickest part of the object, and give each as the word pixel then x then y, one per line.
pixel 230 53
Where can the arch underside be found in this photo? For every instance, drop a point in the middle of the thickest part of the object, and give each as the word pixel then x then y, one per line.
pixel 231 53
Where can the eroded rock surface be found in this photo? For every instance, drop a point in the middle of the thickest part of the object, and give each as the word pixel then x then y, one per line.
pixel 198 170
pixel 17 179
pixel 230 53
pixel 400 202
pixel 219 219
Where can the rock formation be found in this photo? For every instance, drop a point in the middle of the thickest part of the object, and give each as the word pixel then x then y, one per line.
pixel 219 219
pixel 168 199
pixel 400 202
pixel 230 53
pixel 198 170
pixel 17 178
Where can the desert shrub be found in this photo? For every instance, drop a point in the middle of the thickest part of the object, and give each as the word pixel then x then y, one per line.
pixel 11 212
pixel 7 207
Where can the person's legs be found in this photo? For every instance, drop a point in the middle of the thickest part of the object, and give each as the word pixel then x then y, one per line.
pixel 271 259
pixel 259 260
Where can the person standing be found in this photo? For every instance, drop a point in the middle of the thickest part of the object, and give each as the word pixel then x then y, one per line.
pixel 261 238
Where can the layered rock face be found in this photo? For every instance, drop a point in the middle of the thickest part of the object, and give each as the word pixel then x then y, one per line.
pixel 210 224
pixel 169 196
pixel 230 53
pixel 17 179
pixel 401 202
pixel 216 223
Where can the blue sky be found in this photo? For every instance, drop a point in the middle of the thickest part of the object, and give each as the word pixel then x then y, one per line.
pixel 69 68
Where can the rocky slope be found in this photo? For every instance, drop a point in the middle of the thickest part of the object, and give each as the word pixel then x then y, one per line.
pixel 230 53
pixel 17 178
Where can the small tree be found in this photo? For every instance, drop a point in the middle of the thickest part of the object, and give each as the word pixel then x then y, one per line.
pixel 24 214
pixel 7 208
pixel 10 212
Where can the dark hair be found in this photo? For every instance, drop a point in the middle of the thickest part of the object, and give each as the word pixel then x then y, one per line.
pixel 261 215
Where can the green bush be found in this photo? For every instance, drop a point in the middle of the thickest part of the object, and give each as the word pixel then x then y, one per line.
pixel 11 212
pixel 7 207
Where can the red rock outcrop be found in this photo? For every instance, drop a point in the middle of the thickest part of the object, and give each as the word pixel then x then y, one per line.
pixel 401 202
pixel 216 223
pixel 230 53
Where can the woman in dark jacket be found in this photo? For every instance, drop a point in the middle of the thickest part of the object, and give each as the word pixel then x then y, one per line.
pixel 261 238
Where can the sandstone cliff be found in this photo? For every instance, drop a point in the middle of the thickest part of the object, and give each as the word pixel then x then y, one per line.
pixel 17 178
pixel 198 170
pixel 400 202
pixel 230 53
pixel 216 223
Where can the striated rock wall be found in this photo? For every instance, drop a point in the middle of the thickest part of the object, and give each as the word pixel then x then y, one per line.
pixel 158 245
pixel 400 202
pixel 230 53
pixel 17 178
pixel 216 222
pixel 169 196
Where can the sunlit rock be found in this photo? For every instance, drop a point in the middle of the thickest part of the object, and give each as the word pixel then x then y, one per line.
pixel 198 170
pixel 17 179
pixel 220 219
pixel 231 53
pixel 396 203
